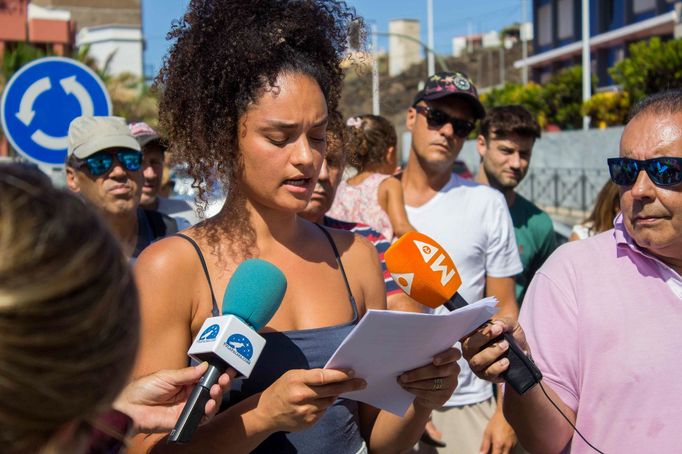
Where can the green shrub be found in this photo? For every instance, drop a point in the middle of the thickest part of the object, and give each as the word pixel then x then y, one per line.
pixel 651 67
pixel 607 109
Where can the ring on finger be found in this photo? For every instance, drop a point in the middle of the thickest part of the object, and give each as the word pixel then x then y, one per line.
pixel 437 384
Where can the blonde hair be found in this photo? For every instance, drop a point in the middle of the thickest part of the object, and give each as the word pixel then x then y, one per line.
pixel 69 317
pixel 605 208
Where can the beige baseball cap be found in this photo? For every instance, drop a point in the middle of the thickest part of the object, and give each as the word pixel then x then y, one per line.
pixel 88 135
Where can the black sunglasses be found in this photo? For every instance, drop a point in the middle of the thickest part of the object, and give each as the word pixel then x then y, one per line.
pixel 664 171
pixel 100 163
pixel 437 119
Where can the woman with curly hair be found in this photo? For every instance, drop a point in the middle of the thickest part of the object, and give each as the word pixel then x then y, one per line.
pixel 249 91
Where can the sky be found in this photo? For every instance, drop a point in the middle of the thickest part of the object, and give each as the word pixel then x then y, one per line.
pixel 451 18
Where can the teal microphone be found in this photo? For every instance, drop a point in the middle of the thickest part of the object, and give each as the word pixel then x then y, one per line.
pixel 252 297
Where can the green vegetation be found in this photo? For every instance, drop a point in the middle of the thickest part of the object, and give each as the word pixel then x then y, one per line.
pixel 530 96
pixel 652 66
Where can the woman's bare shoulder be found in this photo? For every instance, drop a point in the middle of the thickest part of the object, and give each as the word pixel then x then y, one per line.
pixel 170 256
pixel 355 248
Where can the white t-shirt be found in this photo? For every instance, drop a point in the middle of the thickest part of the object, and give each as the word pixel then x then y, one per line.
pixel 472 222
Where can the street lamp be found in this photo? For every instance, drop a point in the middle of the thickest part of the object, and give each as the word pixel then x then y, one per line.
pixel 375 65
pixel 427 49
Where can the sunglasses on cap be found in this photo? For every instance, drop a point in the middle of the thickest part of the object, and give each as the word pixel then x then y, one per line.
pixel 437 119
pixel 100 163
pixel 664 171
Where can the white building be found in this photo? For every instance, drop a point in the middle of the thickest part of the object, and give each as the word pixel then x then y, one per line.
pixel 121 46
pixel 492 39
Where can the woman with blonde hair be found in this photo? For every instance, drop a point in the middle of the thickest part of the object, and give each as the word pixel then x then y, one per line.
pixel 605 209
pixel 69 329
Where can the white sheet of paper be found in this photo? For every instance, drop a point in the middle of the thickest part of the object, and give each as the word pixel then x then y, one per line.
pixel 385 344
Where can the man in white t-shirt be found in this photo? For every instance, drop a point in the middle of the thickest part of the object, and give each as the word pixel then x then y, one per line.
pixel 473 224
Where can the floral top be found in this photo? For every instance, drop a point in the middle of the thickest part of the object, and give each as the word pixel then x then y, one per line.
pixel 360 203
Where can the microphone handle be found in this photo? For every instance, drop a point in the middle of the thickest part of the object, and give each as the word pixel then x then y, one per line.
pixel 196 403
pixel 522 373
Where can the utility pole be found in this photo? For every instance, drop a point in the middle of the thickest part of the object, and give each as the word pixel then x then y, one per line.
pixel 431 64
pixel 587 73
pixel 524 43
pixel 501 61
pixel 375 72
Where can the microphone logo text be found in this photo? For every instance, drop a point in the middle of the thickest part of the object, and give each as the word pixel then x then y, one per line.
pixel 241 346
pixel 209 333
pixel 428 251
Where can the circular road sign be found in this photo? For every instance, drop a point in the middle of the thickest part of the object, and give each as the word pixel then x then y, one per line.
pixel 40 101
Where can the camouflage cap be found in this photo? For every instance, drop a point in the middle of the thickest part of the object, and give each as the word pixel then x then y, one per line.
pixel 451 84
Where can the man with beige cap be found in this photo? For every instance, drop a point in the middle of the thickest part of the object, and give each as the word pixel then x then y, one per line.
pixel 103 164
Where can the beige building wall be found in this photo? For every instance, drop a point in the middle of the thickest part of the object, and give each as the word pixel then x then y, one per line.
pixel 91 13
pixel 402 52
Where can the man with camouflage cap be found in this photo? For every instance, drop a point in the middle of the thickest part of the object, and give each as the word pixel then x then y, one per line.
pixel 472 222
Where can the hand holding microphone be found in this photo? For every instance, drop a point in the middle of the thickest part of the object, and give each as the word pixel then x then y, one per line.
pixel 425 271
pixel 154 402
pixel 251 299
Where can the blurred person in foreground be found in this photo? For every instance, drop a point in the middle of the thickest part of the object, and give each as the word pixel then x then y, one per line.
pixel 601 316
pixel 505 144
pixel 605 209
pixel 69 330
pixel 472 222
pixel 104 165
pixel 153 167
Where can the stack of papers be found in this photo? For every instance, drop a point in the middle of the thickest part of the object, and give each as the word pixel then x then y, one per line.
pixel 384 344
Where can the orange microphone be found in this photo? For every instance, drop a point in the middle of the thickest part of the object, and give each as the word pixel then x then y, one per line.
pixel 424 270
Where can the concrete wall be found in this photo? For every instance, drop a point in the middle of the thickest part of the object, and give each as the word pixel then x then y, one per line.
pixel 567 170
pixel 566 149
pixel 90 13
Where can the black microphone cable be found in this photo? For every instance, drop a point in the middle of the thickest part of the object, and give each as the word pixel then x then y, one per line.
pixel 567 419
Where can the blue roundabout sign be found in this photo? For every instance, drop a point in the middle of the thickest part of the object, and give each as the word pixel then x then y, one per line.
pixel 40 101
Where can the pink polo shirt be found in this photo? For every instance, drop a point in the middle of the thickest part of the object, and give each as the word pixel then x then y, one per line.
pixel 604 323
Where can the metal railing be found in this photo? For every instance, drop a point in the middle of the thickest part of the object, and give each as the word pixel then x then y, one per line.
pixel 567 191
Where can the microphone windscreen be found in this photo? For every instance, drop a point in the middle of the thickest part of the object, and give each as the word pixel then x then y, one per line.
pixel 255 292
pixel 423 269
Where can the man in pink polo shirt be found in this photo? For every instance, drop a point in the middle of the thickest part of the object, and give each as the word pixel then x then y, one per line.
pixel 602 317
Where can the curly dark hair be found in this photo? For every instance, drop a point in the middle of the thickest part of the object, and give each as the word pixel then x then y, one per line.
pixel 368 139
pixel 225 54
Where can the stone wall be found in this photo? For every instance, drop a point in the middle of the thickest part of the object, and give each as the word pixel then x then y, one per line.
pixel 91 13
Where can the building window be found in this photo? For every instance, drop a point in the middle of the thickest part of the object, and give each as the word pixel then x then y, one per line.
pixel 613 12
pixel 545 25
pixel 565 19
pixel 642 6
